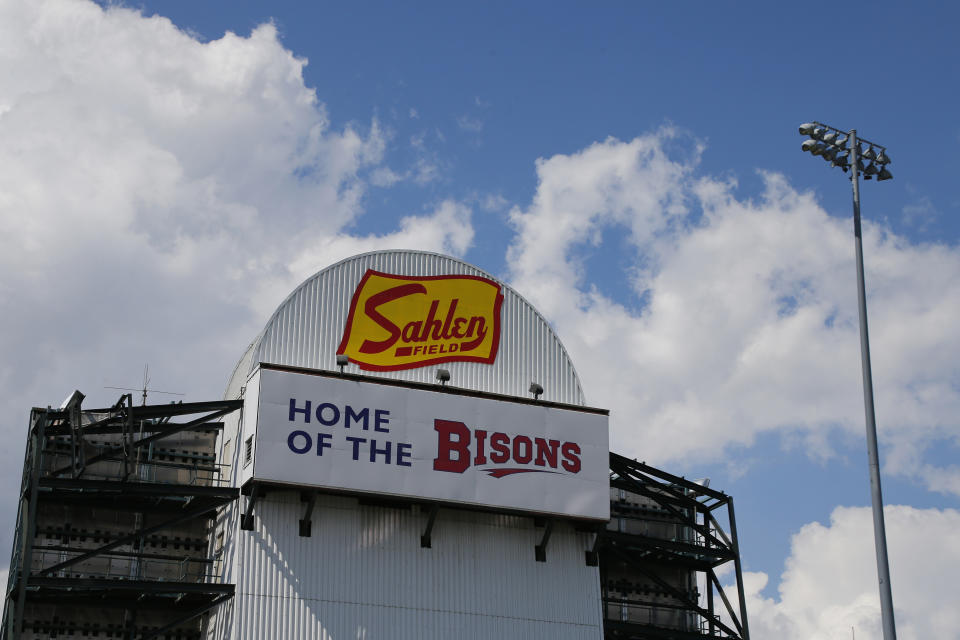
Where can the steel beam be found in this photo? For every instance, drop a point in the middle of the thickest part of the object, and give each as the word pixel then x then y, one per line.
pixel 726 602
pixel 541 549
pixel 199 611
pixel 425 540
pixel 29 526
pixel 676 593
pixel 305 523
pixel 186 515
pixel 737 567
pixel 169 431
pixel 246 520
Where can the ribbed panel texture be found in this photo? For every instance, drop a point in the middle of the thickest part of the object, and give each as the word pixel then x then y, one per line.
pixel 363 574
pixel 306 330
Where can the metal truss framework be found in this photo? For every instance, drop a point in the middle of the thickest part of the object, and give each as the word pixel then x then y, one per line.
pixel 108 451
pixel 696 511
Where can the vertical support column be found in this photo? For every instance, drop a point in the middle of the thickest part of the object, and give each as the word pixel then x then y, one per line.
pixel 305 524
pixel 425 540
pixel 592 555
pixel 246 519
pixel 128 465
pixel 876 494
pixel 541 549
pixel 708 542
pixel 77 427
pixel 29 527
pixel 735 540
pixel 712 628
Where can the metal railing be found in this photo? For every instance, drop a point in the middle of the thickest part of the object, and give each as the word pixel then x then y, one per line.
pixel 661 616
pixel 129 566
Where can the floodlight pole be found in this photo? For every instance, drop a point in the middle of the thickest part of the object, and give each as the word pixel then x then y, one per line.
pixel 876 495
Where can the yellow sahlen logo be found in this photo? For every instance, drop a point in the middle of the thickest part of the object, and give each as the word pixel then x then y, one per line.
pixel 405 322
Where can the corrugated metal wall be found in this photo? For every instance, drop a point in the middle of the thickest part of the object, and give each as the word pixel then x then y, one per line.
pixel 363 574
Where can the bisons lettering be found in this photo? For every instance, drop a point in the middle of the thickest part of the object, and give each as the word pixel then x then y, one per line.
pixel 458 449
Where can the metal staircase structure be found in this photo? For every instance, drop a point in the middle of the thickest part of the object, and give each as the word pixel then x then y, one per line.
pixel 113 527
pixel 659 557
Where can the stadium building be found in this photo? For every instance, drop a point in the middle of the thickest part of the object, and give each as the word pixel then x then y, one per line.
pixel 404 451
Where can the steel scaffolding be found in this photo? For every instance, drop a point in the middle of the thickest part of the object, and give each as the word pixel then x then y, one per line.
pixel 659 555
pixel 112 534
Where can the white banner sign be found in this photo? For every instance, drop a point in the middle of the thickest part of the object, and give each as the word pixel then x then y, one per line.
pixel 329 432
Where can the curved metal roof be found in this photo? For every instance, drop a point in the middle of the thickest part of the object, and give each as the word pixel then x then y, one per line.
pixel 307 327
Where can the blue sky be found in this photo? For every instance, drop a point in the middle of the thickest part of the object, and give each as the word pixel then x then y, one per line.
pixel 522 138
pixel 504 84
pixel 546 78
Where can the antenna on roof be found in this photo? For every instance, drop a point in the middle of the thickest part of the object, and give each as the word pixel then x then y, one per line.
pixel 146 383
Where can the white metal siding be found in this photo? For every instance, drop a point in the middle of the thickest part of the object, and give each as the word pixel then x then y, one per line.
pixel 363 574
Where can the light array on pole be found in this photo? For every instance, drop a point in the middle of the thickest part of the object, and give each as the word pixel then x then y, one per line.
pixel 830 144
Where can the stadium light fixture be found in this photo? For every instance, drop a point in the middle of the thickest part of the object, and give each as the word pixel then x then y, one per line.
pixel 536 390
pixel 443 376
pixel 837 141
pixel 342 361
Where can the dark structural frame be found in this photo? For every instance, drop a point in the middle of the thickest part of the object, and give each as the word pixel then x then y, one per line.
pixel 662 546
pixel 664 542
pixel 111 464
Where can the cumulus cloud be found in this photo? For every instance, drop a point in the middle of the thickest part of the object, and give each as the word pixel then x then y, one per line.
pixel 158 197
pixel 469 124
pixel 830 580
pixel 744 316
pixel 920 213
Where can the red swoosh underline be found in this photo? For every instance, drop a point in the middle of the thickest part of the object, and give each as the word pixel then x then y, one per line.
pixel 499 473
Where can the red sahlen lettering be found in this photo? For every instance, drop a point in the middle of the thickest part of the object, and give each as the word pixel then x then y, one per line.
pixel 370 308
pixel 427 329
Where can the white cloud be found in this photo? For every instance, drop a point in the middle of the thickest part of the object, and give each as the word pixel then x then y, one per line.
pixel 830 581
pixel 423 171
pixel 471 125
pixel 447 229
pixel 493 202
pixel 158 197
pixel 384 177
pixel 920 213
pixel 745 311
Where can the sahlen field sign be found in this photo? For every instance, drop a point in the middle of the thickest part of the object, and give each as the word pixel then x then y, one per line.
pixel 405 322
pixel 316 429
